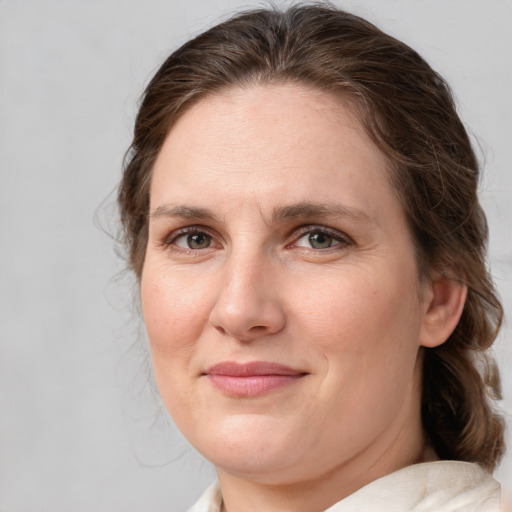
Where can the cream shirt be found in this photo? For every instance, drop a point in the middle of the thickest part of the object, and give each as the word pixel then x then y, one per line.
pixel 442 486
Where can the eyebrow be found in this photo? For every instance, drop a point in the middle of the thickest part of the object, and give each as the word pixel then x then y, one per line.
pixel 302 210
pixel 307 210
pixel 184 211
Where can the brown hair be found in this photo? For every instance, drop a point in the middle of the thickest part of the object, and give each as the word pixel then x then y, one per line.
pixel 408 110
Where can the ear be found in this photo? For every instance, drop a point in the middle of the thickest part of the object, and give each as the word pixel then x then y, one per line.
pixel 444 300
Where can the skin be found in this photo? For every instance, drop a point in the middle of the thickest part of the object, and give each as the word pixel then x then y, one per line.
pixel 349 314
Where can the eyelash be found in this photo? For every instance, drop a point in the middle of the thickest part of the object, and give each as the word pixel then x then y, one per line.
pixel 170 241
pixel 342 240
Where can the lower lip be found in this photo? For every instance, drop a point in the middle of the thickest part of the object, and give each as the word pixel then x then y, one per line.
pixel 251 385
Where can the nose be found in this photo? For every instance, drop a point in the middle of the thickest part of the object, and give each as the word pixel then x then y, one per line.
pixel 248 305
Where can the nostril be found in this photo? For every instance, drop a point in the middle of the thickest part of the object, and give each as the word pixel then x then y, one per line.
pixel 221 329
pixel 258 328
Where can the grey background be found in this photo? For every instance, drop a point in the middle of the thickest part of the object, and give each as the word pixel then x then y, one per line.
pixel 81 427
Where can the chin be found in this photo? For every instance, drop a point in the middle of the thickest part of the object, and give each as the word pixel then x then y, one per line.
pixel 254 446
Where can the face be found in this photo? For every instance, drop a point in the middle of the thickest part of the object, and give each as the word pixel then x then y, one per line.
pixel 280 289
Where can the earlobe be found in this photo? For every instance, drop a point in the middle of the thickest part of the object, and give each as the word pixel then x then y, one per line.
pixel 444 303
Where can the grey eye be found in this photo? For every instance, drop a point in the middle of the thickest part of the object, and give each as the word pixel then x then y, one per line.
pixel 318 240
pixel 194 241
pixel 321 240
pixel 198 241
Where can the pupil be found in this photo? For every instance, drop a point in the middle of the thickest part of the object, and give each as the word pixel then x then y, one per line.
pixel 198 241
pixel 320 240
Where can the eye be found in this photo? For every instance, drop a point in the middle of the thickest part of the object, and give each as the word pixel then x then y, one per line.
pixel 321 239
pixel 194 240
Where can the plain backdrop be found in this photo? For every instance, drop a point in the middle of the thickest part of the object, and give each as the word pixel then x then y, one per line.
pixel 81 428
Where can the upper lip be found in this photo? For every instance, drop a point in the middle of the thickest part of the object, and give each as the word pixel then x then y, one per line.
pixel 254 368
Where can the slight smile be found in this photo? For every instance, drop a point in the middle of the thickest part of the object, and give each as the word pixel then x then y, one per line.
pixel 251 379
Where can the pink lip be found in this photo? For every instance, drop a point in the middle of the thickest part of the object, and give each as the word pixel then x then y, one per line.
pixel 251 379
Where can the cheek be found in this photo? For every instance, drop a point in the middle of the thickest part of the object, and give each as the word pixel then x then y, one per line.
pixel 174 313
pixel 364 324
pixel 366 331
pixel 354 304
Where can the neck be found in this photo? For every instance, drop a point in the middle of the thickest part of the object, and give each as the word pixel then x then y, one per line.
pixel 244 495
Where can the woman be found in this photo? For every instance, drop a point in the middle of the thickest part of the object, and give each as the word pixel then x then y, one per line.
pixel 300 210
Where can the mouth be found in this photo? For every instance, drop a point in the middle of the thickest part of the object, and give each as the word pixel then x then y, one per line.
pixel 251 379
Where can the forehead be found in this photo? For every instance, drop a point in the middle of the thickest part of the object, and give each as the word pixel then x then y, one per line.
pixel 268 142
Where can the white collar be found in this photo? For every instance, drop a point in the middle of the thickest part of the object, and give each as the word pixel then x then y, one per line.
pixel 442 486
